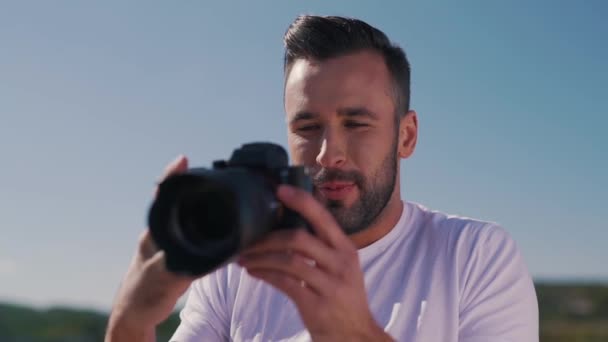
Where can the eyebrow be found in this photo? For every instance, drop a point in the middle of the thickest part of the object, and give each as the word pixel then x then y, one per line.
pixel 353 112
pixel 302 116
pixel 350 112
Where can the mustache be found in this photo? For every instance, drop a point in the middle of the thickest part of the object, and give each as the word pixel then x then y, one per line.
pixel 335 175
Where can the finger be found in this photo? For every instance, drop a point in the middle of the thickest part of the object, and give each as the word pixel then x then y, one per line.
pixel 293 265
pixel 147 248
pixel 298 241
pixel 176 282
pixel 322 222
pixel 178 165
pixel 152 257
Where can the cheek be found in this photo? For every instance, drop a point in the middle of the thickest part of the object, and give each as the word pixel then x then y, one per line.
pixel 363 148
pixel 303 151
pixel 368 152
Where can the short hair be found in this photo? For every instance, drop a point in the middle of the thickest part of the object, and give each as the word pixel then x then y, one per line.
pixel 324 37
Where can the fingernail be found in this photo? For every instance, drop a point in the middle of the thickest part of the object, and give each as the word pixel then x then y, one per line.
pixel 180 158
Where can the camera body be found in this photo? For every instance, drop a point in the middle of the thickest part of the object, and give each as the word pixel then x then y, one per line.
pixel 202 218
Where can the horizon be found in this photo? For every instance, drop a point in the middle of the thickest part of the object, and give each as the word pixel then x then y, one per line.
pixel 180 304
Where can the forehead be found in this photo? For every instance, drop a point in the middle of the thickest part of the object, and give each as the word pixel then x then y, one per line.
pixel 359 79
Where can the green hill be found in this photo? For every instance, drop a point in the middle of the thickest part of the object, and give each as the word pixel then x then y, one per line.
pixel 568 312
pixel 573 312
pixel 23 324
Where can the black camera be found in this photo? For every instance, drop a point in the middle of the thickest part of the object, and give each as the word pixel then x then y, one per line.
pixel 203 217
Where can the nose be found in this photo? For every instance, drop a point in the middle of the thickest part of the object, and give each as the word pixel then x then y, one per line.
pixel 331 154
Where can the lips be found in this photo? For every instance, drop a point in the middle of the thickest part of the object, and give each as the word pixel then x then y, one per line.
pixel 336 190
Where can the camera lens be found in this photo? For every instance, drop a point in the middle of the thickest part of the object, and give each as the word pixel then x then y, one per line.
pixel 206 215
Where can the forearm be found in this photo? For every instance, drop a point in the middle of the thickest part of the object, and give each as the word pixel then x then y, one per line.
pixel 120 330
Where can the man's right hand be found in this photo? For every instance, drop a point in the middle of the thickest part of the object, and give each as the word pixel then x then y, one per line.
pixel 149 292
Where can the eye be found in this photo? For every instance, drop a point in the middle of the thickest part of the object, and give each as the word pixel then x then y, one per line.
pixel 307 128
pixel 352 124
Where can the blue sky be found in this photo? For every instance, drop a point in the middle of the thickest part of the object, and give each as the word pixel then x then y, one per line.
pixel 96 98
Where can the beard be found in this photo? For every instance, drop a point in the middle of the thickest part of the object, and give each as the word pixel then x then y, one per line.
pixel 375 192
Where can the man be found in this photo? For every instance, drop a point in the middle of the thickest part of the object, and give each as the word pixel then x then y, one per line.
pixel 377 268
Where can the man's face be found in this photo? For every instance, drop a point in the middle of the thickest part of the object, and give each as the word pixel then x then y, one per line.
pixel 341 124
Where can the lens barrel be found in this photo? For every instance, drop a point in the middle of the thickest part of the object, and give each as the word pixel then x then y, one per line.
pixel 203 217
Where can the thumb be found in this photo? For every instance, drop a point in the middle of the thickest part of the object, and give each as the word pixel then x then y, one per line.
pixel 179 164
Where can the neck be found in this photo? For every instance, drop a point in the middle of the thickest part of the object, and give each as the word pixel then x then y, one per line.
pixel 383 224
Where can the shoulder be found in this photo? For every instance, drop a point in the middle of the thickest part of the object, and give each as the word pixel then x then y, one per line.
pixel 493 282
pixel 495 292
pixel 472 249
pixel 457 233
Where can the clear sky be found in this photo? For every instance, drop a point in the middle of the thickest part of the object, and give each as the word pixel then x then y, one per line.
pixel 95 98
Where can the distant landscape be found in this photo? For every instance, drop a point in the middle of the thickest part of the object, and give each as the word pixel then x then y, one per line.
pixel 568 312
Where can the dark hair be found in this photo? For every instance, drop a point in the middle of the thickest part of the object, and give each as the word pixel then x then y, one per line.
pixel 324 37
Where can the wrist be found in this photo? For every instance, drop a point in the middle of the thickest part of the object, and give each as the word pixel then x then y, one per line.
pixel 373 332
pixel 382 336
pixel 376 333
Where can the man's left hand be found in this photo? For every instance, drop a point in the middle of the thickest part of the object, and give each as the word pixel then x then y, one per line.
pixel 320 273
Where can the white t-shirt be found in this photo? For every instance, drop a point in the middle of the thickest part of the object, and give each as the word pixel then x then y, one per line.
pixel 432 278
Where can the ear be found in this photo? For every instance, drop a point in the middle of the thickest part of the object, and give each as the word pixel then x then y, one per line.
pixel 408 134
